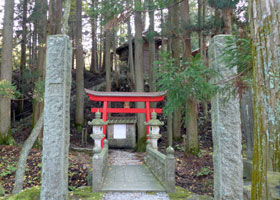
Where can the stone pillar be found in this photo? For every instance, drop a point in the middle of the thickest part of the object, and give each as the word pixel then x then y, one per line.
pixel 56 118
pixel 99 166
pixel 226 129
pixel 170 169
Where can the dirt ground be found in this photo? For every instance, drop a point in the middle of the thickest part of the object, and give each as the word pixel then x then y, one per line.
pixel 193 172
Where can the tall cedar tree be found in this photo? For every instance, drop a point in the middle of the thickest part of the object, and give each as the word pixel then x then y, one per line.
pixel 94 55
pixel 175 52
pixel 6 71
pixel 41 6
pixel 23 51
pixel 139 71
pixel 80 66
pixel 265 30
pixel 191 103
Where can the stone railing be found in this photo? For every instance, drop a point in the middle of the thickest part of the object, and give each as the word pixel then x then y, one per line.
pixel 99 162
pixel 162 166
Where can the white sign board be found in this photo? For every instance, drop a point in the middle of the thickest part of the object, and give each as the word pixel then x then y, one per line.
pixel 119 131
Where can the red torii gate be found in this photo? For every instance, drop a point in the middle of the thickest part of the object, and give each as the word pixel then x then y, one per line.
pixel 106 97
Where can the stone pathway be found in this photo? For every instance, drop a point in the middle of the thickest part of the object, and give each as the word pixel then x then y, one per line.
pixel 136 178
pixel 135 196
pixel 125 157
pixel 128 173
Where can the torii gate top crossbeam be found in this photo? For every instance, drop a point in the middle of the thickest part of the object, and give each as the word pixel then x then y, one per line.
pixel 106 97
pixel 126 96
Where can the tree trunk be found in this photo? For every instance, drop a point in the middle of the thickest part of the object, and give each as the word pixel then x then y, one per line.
pixel 108 63
pixel 247 121
pixel 175 52
pixel 169 129
pixel 199 2
pixel 114 61
pixel 265 31
pixel 6 71
pixel 139 74
pixel 191 126
pixel 227 12
pixel 164 48
pixel 34 46
pixel 41 6
pixel 104 52
pixel 55 13
pixel 24 38
pixel 100 46
pixel 29 41
pixel 130 56
pixel 23 53
pixel 80 66
pixel 21 165
pixel 203 53
pixel 185 15
pixel 152 48
pixel 163 29
pixel 217 19
pixel 191 104
pixel 94 56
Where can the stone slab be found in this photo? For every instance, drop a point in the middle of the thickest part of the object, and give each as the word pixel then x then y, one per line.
pixel 226 129
pixel 56 118
pixel 136 178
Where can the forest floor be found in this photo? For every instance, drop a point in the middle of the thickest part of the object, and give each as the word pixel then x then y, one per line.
pixel 193 172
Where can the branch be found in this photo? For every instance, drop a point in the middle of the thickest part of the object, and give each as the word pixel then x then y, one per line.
pixel 19 179
pixel 233 77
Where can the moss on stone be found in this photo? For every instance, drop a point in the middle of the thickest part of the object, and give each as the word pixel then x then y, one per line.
pixel 141 144
pixel 83 193
pixel 86 194
pixel 28 194
pixel 151 193
pixel 180 193
pixel 183 194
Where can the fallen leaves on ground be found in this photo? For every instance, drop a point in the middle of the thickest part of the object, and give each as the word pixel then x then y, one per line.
pixel 9 155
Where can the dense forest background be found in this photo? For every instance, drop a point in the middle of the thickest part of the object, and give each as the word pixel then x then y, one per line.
pixel 145 46
pixel 122 39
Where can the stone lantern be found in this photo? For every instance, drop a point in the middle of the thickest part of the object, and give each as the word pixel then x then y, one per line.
pixel 97 131
pixel 154 135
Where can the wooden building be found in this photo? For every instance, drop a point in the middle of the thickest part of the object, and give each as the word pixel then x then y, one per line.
pixel 122 51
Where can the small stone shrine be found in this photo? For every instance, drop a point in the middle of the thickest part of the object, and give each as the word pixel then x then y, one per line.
pixel 122 132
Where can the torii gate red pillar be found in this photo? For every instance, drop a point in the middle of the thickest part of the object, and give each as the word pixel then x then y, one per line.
pixel 106 97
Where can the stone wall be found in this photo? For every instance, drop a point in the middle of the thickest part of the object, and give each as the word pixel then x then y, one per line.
pixel 162 166
pixel 99 165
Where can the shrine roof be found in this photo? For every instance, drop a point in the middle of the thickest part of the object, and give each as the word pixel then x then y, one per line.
pixel 125 94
